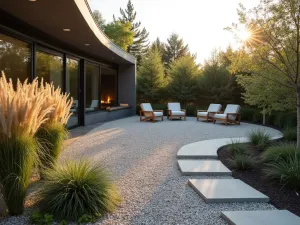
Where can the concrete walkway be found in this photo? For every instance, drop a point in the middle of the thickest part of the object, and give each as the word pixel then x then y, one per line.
pixel 198 161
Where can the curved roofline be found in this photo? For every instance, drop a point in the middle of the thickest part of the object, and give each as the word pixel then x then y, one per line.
pixel 87 14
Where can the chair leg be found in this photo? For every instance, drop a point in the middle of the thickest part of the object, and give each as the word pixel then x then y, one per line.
pixel 162 118
pixel 214 121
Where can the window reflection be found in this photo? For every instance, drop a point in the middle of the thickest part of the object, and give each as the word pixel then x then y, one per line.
pixel 72 87
pixel 108 87
pixel 92 87
pixel 15 58
pixel 50 68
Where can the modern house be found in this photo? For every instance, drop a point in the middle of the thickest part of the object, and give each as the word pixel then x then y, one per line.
pixel 60 41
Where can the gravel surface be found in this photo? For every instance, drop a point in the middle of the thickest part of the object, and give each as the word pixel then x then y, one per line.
pixel 141 156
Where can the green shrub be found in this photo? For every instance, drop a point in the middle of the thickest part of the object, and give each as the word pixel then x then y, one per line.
pixel 238 148
pixel 278 152
pixel 74 189
pixel 287 171
pixel 191 110
pixel 259 139
pixel 247 114
pixel 87 219
pixel 51 139
pixel 284 119
pixel 17 158
pixel 242 161
pixel 40 219
pixel 290 133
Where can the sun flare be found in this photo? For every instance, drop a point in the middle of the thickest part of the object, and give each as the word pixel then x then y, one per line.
pixel 244 35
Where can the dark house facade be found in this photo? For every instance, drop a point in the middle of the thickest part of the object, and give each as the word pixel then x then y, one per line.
pixel 59 41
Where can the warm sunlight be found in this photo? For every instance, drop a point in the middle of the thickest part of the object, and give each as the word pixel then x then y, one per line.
pixel 244 35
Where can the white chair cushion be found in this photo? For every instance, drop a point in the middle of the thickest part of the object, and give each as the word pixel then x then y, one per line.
pixel 202 114
pixel 146 107
pixel 178 113
pixel 214 108
pixel 232 109
pixel 174 106
pixel 158 113
pixel 94 104
pixel 220 116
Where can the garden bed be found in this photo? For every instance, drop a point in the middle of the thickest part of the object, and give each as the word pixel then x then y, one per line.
pixel 280 197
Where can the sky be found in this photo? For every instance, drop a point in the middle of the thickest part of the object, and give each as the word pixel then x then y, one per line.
pixel 200 23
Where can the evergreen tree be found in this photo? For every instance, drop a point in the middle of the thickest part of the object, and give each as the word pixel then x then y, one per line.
pixel 140 42
pixel 161 48
pixel 120 33
pixel 184 73
pixel 99 19
pixel 150 79
pixel 175 49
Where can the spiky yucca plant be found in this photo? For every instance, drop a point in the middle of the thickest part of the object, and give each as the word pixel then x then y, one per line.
pixel 21 114
pixel 76 188
pixel 53 132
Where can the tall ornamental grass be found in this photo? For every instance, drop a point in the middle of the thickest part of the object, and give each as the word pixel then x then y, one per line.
pixel 260 139
pixel 22 112
pixel 53 132
pixel 77 188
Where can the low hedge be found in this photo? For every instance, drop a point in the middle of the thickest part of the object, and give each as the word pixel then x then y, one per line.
pixel 278 119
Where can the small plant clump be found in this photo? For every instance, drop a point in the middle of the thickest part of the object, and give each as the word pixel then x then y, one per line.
pixel 238 148
pixel 286 171
pixel 74 189
pixel 242 161
pixel 259 139
pixel 41 219
pixel 279 152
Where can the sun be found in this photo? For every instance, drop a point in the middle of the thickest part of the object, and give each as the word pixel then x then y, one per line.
pixel 244 35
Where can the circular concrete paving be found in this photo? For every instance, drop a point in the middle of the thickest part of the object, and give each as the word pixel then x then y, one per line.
pixel 142 159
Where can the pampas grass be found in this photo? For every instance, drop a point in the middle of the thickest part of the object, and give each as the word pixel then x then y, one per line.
pixel 22 111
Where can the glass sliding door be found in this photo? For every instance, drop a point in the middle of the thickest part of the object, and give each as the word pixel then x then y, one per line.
pixel 49 66
pixel 92 90
pixel 108 87
pixel 72 87
pixel 15 58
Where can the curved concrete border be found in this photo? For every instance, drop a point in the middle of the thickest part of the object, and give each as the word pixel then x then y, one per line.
pixel 86 12
pixel 208 149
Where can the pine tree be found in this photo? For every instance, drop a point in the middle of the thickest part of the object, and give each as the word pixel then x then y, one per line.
pixel 99 19
pixel 161 48
pixel 184 74
pixel 140 43
pixel 175 48
pixel 150 79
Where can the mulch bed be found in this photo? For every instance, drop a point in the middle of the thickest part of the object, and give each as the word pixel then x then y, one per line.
pixel 280 197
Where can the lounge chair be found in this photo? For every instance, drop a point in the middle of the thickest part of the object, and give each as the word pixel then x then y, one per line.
pixel 208 114
pixel 175 111
pixel 149 113
pixel 94 104
pixel 230 115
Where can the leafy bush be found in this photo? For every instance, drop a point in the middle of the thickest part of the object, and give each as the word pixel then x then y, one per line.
pixel 51 137
pixel 238 148
pixel 279 152
pixel 259 139
pixel 17 158
pixel 40 219
pixel 242 161
pixel 287 171
pixel 290 133
pixel 74 189
pixel 249 114
pixel 87 219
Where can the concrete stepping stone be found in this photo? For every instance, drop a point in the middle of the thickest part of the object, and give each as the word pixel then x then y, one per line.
pixel 203 167
pixel 266 217
pixel 208 149
pixel 226 191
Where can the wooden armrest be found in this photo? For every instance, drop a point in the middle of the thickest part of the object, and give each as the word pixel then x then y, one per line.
pixel 147 111
pixel 183 110
pixel 158 110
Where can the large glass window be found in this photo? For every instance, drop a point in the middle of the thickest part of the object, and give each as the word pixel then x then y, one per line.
pixel 108 87
pixel 50 68
pixel 15 58
pixel 72 87
pixel 92 91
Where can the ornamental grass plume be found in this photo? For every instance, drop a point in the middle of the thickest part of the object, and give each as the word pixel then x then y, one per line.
pixel 22 111
pixel 61 101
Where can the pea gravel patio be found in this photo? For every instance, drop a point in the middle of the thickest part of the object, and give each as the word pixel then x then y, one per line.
pixel 142 158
